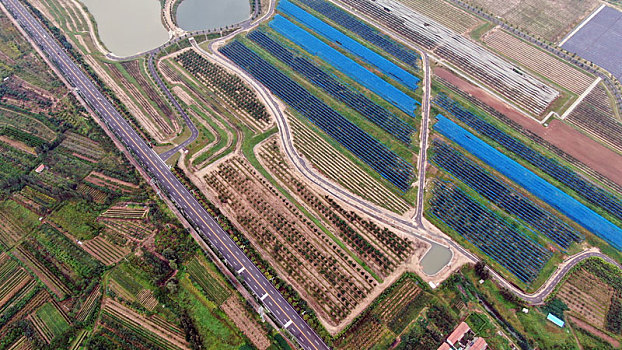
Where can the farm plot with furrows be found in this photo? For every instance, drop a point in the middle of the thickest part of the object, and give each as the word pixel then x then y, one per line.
pixel 587 296
pixel 14 162
pixel 307 257
pixel 209 283
pixel 27 123
pixel 492 235
pixel 136 230
pixel 36 197
pixel 502 195
pixel 352 23
pixel 380 249
pixel 133 68
pixel 490 69
pixel 538 61
pixel 336 88
pixel 397 300
pixel 365 77
pixel 146 332
pixel 340 169
pixel 446 14
pixel 127 211
pixel 229 87
pixel 67 165
pixel 20 139
pixel 46 271
pixel 577 183
pixel 83 147
pixel 104 250
pixel 126 286
pixel 96 195
pixel 15 222
pixel 595 116
pixel 89 304
pixel 144 102
pixel 352 46
pixel 380 158
pixel 548 19
pixel 13 279
pixel 105 181
pixel 49 321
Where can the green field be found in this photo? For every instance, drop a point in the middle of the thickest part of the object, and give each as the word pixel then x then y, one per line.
pixel 52 318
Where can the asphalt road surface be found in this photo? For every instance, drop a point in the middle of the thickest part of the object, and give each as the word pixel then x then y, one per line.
pixel 272 300
pixel 194 133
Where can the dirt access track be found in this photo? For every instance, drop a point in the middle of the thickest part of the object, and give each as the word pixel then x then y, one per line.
pixel 591 153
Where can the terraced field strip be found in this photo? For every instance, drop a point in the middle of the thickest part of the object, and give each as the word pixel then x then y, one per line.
pixel 102 180
pixel 83 146
pixel 105 251
pixel 45 276
pixel 13 278
pixel 15 222
pixel 587 296
pixel 153 329
pixel 126 211
pixel 538 61
pixel 136 230
pixel 325 276
pixel 89 304
pixel 342 170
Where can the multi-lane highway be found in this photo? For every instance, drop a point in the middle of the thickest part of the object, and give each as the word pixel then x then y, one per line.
pixel 272 300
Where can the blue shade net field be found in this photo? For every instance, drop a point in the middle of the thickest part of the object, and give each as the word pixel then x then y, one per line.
pixel 352 46
pixel 580 185
pixel 502 195
pixel 388 164
pixel 336 88
pixel 533 183
pixel 356 26
pixel 344 64
pixel 512 249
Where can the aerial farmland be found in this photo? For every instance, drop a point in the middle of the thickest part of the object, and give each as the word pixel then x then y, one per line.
pixel 313 174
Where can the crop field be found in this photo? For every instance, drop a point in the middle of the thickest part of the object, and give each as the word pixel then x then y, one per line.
pixel 533 183
pixel 15 222
pixel 587 296
pixel 495 72
pixel 101 180
pixel 381 250
pixel 133 68
pixel 128 211
pixel 595 116
pixel 503 195
pixel 134 90
pixel 14 280
pixel 207 281
pixel 538 61
pixel 14 162
pixel 386 318
pixel 326 276
pixel 378 156
pixel 229 88
pixel 96 195
pixel 130 287
pixel 133 229
pixel 83 147
pixel 49 321
pixel 147 332
pixel 446 14
pixel 104 250
pixel 55 283
pixel 340 169
pixel 89 304
pixel 348 44
pixel 548 19
pixel 78 219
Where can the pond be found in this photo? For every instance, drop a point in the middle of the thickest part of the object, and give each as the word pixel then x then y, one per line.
pixel 128 27
pixel 435 259
pixel 211 14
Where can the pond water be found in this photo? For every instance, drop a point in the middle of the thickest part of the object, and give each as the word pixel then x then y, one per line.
pixel 210 14
pixel 128 27
pixel 435 259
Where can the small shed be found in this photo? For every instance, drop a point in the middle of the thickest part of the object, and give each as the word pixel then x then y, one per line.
pixel 559 323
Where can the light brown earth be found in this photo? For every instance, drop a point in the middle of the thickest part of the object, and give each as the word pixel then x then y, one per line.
pixel 236 312
pixel 595 331
pixel 596 156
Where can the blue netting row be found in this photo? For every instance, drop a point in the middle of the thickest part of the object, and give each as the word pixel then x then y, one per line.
pixel 353 24
pixel 395 169
pixel 331 84
pixel 580 185
pixel 533 183
pixel 344 64
pixel 502 195
pixel 354 47
pixel 515 251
